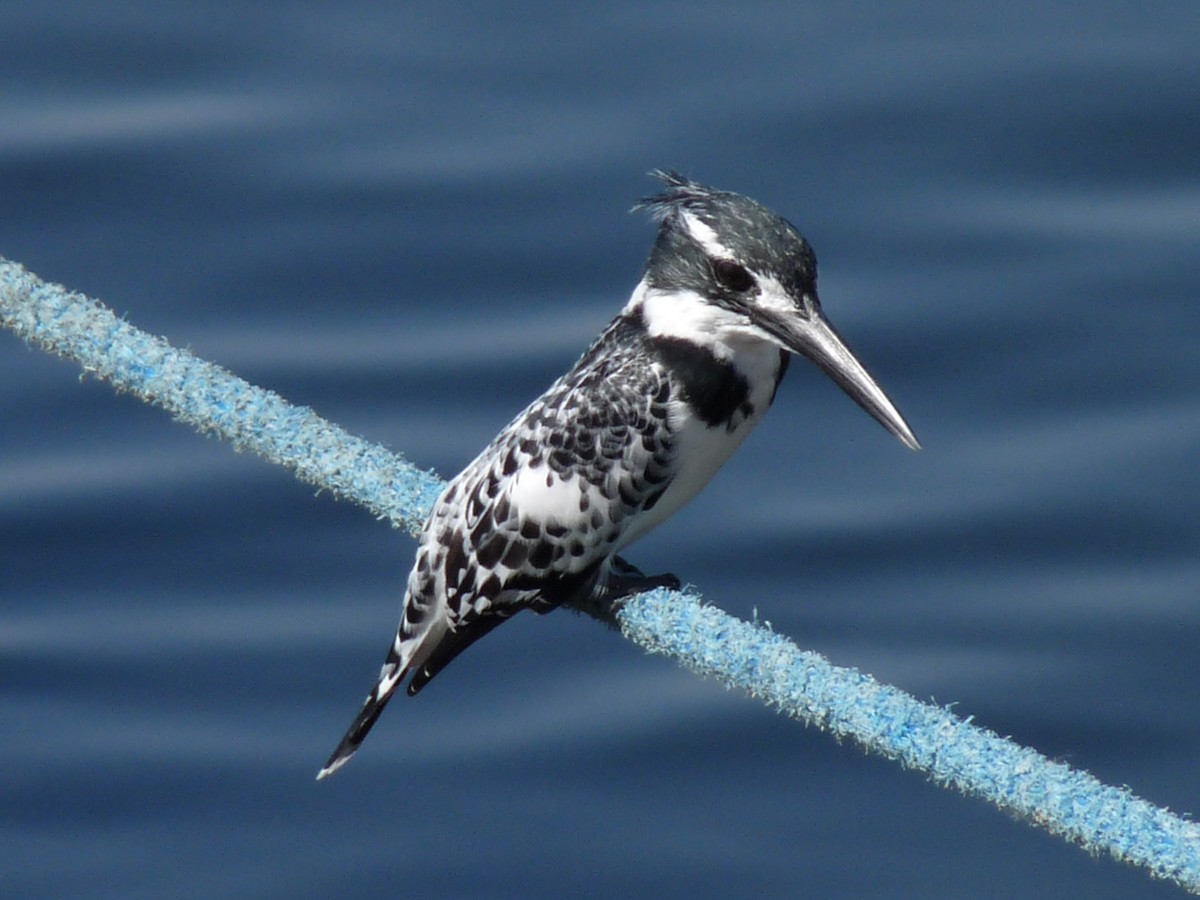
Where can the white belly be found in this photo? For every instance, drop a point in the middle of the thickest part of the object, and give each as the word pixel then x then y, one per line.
pixel 702 450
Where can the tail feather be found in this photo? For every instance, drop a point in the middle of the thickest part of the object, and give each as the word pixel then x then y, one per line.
pixel 389 677
pixel 425 654
pixel 452 644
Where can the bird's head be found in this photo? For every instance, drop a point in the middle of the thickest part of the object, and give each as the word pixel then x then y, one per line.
pixel 724 266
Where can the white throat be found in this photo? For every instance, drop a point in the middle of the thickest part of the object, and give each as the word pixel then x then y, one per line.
pixel 686 315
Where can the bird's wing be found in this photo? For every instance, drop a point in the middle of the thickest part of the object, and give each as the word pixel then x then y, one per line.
pixel 533 516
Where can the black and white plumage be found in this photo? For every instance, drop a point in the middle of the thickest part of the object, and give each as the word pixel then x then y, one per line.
pixel 632 432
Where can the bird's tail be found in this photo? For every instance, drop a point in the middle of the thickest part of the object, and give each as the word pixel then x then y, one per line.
pixel 390 676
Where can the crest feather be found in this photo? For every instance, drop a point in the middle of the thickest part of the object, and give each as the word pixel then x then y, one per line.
pixel 681 193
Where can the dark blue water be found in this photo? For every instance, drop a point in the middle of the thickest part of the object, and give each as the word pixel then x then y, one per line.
pixel 412 218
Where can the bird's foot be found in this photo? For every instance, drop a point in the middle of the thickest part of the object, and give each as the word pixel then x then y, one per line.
pixel 621 582
pixel 625 580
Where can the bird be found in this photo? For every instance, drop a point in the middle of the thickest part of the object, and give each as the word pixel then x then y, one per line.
pixel 627 436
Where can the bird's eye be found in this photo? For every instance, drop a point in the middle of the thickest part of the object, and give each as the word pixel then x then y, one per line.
pixel 733 276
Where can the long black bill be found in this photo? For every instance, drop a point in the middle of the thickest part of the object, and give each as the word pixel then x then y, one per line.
pixel 814 338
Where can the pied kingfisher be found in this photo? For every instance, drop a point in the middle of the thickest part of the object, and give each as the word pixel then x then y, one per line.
pixel 637 426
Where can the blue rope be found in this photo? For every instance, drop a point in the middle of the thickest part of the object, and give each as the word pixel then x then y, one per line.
pixel 805 686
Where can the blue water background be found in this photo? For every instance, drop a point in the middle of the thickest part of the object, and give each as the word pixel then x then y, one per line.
pixel 412 217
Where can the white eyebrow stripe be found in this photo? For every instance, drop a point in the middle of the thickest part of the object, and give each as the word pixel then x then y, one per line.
pixel 705 237
pixel 773 295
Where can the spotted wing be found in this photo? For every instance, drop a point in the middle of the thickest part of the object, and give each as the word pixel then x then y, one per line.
pixel 532 521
